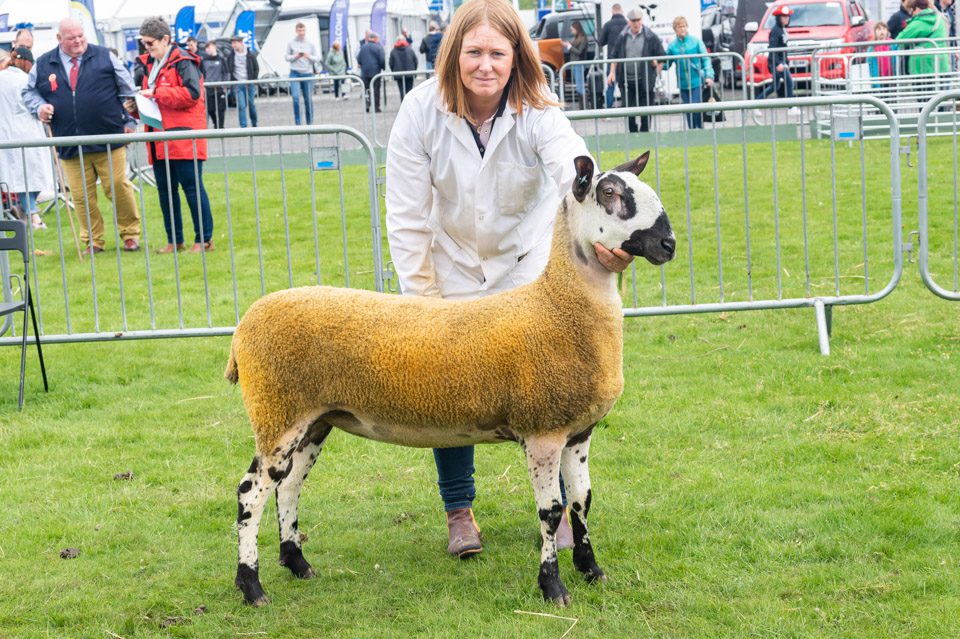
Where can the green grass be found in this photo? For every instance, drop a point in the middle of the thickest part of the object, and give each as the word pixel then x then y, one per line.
pixel 744 485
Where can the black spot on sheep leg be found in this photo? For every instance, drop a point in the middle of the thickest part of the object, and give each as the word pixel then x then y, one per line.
pixel 543 467
pixel 302 457
pixel 576 473
pixel 252 495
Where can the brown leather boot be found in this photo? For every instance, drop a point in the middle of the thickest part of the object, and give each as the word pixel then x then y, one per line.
pixel 464 533
pixel 564 533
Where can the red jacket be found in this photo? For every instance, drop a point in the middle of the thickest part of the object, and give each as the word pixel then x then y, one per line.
pixel 179 109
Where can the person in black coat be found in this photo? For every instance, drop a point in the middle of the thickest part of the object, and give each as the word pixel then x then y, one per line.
pixel 372 61
pixel 609 35
pixel 403 58
pixel 898 20
pixel 777 61
pixel 215 70
pixel 636 79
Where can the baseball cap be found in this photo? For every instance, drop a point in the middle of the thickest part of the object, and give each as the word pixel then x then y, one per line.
pixel 634 15
pixel 23 53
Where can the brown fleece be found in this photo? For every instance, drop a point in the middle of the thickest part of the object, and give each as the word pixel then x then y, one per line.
pixel 542 357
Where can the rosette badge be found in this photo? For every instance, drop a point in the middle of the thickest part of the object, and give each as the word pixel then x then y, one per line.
pixel 53 81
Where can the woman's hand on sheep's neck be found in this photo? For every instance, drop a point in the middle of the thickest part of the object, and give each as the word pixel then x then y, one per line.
pixel 615 261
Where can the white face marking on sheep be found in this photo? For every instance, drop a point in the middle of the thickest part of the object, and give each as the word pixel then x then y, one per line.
pixel 618 210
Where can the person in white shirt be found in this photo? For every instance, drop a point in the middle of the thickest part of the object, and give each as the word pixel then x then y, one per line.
pixel 477 161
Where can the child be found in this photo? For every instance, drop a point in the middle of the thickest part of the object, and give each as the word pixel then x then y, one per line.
pixel 881 66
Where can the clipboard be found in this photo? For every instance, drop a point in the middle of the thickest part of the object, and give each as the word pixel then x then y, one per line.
pixel 149 112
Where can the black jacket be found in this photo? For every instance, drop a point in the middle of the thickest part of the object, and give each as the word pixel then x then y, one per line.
pixel 430 45
pixel 652 48
pixel 611 31
pixel 214 68
pixel 897 22
pixel 94 108
pixel 253 68
pixel 371 59
pixel 778 40
pixel 403 59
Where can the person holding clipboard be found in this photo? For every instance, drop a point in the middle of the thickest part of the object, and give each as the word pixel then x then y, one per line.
pixel 172 98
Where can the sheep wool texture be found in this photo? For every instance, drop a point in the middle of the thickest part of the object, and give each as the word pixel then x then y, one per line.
pixel 427 372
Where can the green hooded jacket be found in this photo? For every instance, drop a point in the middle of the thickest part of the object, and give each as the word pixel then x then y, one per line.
pixel 926 24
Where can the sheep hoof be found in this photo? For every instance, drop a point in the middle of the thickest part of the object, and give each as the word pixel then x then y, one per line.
pixel 563 600
pixel 248 582
pixel 595 575
pixel 291 556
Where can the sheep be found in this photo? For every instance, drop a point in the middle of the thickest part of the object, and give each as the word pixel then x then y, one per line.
pixel 539 365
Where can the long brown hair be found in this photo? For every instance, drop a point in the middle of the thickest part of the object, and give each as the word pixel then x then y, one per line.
pixel 528 86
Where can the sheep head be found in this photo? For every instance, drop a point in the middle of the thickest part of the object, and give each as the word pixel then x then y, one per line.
pixel 618 210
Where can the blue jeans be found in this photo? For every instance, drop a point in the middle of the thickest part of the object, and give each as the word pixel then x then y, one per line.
pixel 692 95
pixel 455 477
pixel 306 87
pixel 578 79
pixel 181 174
pixel 245 98
pixel 782 85
pixel 28 201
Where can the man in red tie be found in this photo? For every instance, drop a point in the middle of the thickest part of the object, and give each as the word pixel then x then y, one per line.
pixel 79 89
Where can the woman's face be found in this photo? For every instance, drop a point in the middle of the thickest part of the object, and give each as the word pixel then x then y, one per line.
pixel 156 48
pixel 486 59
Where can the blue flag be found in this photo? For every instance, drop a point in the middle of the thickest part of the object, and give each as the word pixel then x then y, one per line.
pixel 378 18
pixel 183 26
pixel 4 19
pixel 338 25
pixel 82 11
pixel 245 28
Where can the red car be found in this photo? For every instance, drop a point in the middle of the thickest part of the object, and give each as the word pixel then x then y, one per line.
pixel 814 23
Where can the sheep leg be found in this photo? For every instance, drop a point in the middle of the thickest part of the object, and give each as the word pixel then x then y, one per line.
pixel 288 499
pixel 543 466
pixel 252 495
pixel 576 475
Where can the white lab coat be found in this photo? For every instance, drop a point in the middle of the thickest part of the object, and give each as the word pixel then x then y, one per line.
pixel 461 225
pixel 17 124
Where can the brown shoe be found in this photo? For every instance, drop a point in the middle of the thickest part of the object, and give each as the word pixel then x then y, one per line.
pixel 564 533
pixel 169 248
pixel 93 249
pixel 198 247
pixel 131 245
pixel 464 533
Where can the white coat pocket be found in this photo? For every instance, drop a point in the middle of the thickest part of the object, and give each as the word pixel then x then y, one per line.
pixel 517 187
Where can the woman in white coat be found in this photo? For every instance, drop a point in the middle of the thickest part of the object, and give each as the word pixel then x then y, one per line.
pixel 16 123
pixel 477 161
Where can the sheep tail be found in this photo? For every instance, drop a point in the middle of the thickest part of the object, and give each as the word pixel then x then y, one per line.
pixel 232 374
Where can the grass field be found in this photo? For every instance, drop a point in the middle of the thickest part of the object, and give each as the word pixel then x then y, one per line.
pixel 744 485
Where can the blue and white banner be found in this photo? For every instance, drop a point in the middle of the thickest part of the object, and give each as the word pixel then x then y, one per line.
pixel 339 13
pixel 245 28
pixel 705 4
pixel 378 18
pixel 82 11
pixel 184 25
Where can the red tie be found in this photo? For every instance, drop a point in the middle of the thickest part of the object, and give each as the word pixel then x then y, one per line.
pixel 74 71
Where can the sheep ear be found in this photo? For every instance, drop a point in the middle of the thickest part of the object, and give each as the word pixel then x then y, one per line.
pixel 584 179
pixel 635 166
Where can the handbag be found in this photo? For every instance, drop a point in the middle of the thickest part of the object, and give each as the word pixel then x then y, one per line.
pixel 713 116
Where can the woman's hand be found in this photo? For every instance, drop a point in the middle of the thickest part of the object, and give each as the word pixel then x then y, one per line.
pixel 615 261
pixel 147 93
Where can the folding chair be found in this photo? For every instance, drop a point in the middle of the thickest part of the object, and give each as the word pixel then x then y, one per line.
pixel 13 237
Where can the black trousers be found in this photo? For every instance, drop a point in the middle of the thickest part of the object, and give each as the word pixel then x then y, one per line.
pixel 217 107
pixel 404 84
pixel 376 92
pixel 634 93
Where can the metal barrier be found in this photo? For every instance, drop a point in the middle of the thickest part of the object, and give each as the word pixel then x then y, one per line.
pixel 396 76
pixel 280 220
pixel 940 257
pixel 751 246
pixel 905 79
pixel 664 78
pixel 550 75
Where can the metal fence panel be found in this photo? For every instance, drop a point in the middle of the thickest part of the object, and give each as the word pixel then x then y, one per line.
pixel 939 222
pixel 300 207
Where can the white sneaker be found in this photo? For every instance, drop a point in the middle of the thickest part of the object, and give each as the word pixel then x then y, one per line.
pixel 37 222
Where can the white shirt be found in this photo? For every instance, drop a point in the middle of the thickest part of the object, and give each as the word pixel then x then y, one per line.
pixel 462 225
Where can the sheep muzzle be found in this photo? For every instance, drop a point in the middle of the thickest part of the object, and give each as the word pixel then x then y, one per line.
pixel 656 243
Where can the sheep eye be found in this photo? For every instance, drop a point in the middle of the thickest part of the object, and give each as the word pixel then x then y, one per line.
pixel 608 191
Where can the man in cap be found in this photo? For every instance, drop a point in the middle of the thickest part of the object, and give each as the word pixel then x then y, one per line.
pixel 636 79
pixel 242 65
